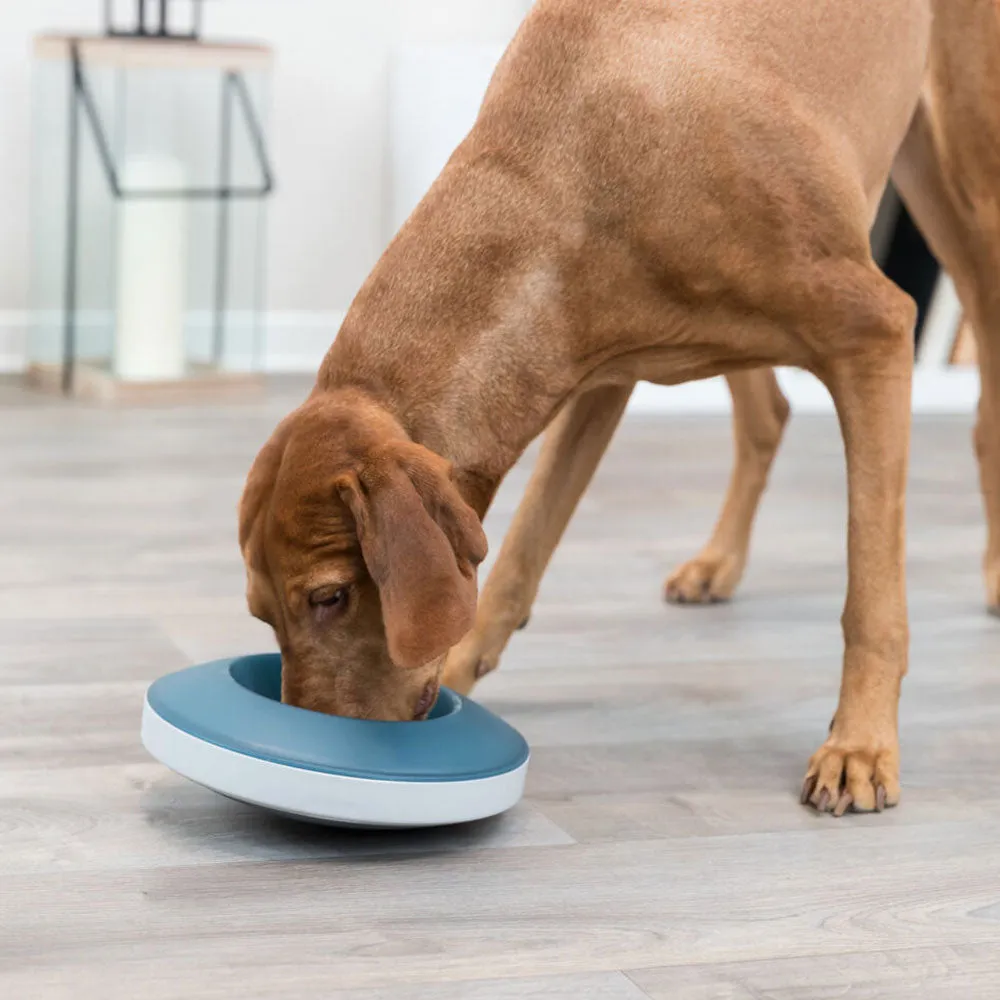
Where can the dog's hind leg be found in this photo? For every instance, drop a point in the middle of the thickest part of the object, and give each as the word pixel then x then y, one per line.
pixel 950 182
pixel 987 440
pixel 760 412
pixel 571 452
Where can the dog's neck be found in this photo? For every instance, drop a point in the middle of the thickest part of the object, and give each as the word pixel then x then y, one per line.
pixel 459 331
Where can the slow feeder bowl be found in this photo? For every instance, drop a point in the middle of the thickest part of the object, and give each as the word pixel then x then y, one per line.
pixel 223 725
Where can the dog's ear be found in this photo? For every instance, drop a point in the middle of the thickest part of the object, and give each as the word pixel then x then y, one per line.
pixel 421 543
pixel 260 480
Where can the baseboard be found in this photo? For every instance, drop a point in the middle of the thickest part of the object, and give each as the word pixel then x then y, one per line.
pixel 950 390
pixel 295 343
pixel 14 341
pixel 292 342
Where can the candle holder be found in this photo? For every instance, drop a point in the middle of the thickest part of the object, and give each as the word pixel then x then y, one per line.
pixel 150 172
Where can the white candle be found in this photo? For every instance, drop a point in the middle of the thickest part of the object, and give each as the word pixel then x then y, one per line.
pixel 152 259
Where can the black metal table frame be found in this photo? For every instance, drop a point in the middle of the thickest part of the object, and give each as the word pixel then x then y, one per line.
pixel 233 87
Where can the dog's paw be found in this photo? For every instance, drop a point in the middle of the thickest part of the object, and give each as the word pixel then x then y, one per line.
pixel 479 652
pixel 709 578
pixel 993 588
pixel 851 777
pixel 468 663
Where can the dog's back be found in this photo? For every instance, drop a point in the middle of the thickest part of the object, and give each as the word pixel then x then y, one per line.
pixel 728 67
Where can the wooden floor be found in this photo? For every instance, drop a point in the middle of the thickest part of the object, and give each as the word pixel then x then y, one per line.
pixel 660 851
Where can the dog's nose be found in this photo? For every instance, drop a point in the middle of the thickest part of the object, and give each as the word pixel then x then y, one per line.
pixel 427 698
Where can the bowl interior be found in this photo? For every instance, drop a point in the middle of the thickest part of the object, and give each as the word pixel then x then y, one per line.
pixel 262 675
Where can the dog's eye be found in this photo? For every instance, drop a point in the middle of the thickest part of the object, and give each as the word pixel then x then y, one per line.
pixel 331 598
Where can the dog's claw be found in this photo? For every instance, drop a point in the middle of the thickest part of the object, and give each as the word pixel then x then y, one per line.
pixel 843 804
pixel 524 624
pixel 853 780
pixel 807 789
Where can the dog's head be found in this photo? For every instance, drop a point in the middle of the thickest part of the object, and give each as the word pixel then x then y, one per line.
pixel 361 554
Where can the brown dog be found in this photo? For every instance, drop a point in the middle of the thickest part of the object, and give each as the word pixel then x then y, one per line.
pixel 654 189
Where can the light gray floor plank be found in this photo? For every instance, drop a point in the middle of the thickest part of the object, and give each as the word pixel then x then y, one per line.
pixel 966 972
pixel 285 981
pixel 599 986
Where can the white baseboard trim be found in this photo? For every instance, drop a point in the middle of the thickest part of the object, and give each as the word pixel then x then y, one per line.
pixel 295 343
pixel 14 341
pixel 935 390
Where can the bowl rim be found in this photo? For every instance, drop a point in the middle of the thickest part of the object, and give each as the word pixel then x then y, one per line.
pixel 207 702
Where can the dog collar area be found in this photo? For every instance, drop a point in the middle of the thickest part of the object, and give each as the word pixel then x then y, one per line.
pixel 224 726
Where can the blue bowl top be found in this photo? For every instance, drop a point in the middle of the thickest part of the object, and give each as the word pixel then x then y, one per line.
pixel 235 704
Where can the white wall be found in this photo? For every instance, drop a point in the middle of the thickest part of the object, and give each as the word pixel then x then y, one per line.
pixel 329 219
pixel 335 205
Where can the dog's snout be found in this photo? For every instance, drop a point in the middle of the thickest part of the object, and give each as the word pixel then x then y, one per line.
pixel 427 699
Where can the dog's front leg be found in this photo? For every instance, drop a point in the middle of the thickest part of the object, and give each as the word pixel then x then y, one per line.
pixel 570 454
pixel 870 380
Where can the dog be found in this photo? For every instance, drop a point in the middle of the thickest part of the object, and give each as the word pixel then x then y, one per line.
pixel 654 189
